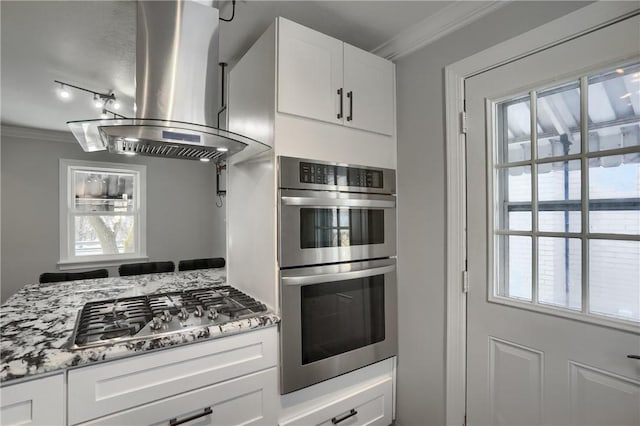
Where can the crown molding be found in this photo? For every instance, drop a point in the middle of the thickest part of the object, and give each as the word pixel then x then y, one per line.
pixel 36 134
pixel 448 19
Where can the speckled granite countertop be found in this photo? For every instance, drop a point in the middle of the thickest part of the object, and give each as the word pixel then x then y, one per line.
pixel 36 323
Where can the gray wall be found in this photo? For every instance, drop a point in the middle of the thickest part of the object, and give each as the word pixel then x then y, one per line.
pixel 182 219
pixel 422 201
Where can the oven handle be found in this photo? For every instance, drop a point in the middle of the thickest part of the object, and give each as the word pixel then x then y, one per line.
pixel 337 276
pixel 338 202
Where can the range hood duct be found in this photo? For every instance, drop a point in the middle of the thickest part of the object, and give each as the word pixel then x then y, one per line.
pixel 176 96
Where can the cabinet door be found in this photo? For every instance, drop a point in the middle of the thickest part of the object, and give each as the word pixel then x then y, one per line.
pixel 105 388
pixel 369 91
pixel 309 73
pixel 247 400
pixel 38 402
pixel 371 405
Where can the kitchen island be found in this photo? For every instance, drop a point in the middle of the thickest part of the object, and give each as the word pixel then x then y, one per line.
pixel 36 324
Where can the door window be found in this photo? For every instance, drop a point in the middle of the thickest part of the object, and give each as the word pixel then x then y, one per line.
pixel 566 178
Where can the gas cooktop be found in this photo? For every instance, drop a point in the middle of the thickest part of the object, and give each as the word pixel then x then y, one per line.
pixel 118 320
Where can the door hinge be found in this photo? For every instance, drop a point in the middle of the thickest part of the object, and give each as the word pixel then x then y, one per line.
pixel 463 122
pixel 465 282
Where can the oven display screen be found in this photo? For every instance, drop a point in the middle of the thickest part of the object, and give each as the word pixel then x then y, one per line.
pixel 340 227
pixel 325 174
pixel 341 316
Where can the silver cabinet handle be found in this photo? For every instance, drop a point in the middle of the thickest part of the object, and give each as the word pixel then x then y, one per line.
pixel 337 420
pixel 176 422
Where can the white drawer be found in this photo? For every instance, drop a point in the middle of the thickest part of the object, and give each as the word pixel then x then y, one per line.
pixel 37 402
pixel 247 400
pixel 371 405
pixel 98 390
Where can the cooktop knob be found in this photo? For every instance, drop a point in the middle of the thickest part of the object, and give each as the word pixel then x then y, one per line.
pixel 183 314
pixel 212 314
pixel 156 323
pixel 166 316
pixel 198 312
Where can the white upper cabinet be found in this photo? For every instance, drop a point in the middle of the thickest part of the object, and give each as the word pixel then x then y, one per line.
pixel 325 79
pixel 309 73
pixel 368 82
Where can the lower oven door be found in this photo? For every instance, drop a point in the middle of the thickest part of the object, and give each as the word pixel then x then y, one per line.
pixel 335 319
pixel 318 227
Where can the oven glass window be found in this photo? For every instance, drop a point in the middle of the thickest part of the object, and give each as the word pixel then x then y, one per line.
pixel 341 316
pixel 340 227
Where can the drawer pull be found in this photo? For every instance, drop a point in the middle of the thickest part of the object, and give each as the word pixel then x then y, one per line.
pixel 175 421
pixel 336 420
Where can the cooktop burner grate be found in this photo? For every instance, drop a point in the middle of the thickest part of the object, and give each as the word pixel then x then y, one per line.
pixel 115 320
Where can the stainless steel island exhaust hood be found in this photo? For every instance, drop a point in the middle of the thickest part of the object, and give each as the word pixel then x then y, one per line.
pixel 176 96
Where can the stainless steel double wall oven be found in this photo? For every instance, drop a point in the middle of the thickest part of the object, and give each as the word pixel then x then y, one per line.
pixel 337 247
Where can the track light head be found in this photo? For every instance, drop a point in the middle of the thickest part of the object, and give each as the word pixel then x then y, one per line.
pixel 63 92
pixel 97 102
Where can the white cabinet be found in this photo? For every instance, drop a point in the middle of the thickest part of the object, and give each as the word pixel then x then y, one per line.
pixel 309 73
pixel 173 375
pixel 369 85
pixel 361 397
pixel 371 405
pixel 247 400
pixel 37 402
pixel 322 78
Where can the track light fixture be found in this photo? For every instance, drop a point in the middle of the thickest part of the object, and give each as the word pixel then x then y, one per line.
pixel 97 102
pixel 63 92
pixel 100 100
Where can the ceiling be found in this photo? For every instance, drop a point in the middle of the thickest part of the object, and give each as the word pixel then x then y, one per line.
pixel 92 44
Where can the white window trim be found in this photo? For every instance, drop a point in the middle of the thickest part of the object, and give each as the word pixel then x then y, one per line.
pixel 553 33
pixel 67 261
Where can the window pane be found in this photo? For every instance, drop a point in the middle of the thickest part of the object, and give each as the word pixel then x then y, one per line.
pixel 96 191
pixel 559 121
pixel 560 272
pixel 515 198
pixel 559 203
pixel 99 235
pixel 614 109
pixel 614 197
pixel 614 278
pixel 514 277
pixel 514 130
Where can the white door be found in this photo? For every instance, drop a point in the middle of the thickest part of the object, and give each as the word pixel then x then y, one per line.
pixel 309 73
pixel 553 308
pixel 369 91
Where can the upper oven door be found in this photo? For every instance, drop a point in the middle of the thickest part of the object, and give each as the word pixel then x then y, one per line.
pixel 318 227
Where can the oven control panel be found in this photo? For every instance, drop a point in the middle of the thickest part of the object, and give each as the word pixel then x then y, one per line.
pixel 317 175
pixel 327 174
